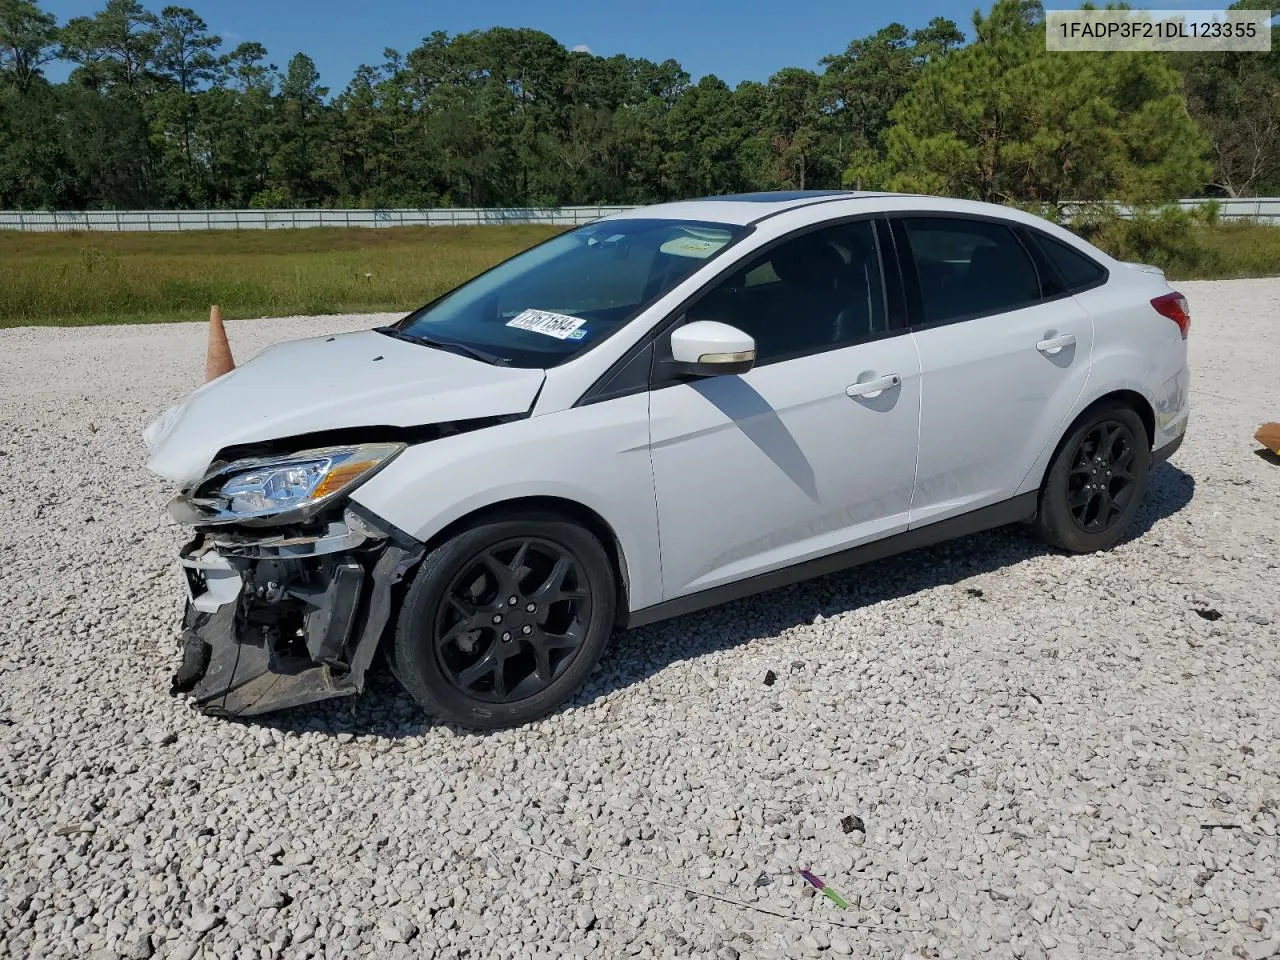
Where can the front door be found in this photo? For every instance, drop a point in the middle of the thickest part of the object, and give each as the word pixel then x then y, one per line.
pixel 811 451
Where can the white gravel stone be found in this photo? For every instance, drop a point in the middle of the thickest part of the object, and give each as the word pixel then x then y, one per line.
pixel 1052 756
pixel 396 928
pixel 202 921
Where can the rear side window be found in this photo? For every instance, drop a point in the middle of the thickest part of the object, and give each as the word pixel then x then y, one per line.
pixel 969 268
pixel 1078 271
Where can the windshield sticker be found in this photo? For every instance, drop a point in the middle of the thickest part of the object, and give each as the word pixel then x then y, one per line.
pixel 558 325
pixel 578 334
pixel 691 247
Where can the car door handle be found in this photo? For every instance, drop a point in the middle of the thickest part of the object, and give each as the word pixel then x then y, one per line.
pixel 1056 344
pixel 873 388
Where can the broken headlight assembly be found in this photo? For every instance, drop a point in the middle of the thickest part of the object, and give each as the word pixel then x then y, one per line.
pixel 266 491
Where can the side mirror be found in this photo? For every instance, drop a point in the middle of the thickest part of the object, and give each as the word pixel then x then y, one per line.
pixel 706 348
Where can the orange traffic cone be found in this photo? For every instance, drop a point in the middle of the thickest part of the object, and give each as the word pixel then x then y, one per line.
pixel 219 359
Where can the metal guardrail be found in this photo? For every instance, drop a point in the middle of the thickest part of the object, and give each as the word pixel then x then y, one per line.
pixel 120 221
pixel 1262 209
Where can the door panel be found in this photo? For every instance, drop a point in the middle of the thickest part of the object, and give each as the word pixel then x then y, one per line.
pixel 782 464
pixel 995 389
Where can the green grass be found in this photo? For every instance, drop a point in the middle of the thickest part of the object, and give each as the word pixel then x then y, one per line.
pixel 1237 249
pixel 71 279
pixel 1188 245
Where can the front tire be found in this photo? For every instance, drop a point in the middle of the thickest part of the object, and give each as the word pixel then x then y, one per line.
pixel 504 622
pixel 1096 481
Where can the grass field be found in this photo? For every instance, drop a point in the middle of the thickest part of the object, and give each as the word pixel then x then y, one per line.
pixel 1237 250
pixel 69 279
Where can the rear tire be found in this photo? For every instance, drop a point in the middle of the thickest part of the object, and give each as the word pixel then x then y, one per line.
pixel 504 621
pixel 1096 480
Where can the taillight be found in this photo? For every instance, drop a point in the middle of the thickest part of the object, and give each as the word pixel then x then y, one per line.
pixel 1174 306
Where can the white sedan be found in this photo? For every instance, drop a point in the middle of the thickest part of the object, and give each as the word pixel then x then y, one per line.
pixel 666 409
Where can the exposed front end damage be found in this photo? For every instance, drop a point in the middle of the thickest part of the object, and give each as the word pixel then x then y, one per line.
pixel 281 617
pixel 291 584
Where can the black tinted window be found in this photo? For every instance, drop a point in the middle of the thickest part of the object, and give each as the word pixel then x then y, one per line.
pixel 1076 269
pixel 815 292
pixel 969 268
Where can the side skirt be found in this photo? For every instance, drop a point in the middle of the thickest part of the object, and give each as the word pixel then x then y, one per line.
pixel 1019 508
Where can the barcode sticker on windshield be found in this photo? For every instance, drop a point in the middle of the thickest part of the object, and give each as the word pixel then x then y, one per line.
pixel 558 325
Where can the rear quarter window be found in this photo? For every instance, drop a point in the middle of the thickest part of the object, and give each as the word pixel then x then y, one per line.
pixel 1078 271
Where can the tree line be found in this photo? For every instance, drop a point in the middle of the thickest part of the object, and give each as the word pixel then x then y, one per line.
pixel 157 113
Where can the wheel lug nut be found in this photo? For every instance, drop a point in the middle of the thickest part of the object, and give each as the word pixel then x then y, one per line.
pixel 531 607
pixel 497 618
pixel 526 629
pixel 506 638
pixel 513 600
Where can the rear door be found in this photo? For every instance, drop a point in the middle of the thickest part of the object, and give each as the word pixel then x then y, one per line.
pixel 1003 357
pixel 810 452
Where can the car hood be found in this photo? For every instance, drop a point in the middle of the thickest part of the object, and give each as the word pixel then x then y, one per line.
pixel 326 383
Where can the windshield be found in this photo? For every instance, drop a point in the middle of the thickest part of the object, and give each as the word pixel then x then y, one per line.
pixel 566 295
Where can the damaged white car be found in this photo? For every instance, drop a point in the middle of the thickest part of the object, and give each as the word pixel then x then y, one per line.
pixel 663 410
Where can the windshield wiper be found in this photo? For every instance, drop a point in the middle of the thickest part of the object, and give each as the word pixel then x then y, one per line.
pixel 449 346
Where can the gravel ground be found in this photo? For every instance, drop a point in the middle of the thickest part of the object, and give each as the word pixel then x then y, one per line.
pixel 1039 755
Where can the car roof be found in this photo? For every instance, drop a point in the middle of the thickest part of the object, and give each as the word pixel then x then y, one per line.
pixel 815 206
pixel 742 208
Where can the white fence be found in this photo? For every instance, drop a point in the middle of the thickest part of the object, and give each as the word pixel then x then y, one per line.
pixel 45 221
pixel 1264 209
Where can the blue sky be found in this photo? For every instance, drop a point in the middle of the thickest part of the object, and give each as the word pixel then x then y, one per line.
pixel 734 39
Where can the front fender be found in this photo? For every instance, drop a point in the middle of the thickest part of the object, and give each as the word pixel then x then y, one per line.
pixel 596 456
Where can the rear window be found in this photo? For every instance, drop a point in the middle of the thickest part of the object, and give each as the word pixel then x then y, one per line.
pixel 1078 271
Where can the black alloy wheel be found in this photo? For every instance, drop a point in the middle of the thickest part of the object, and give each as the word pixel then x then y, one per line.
pixel 504 621
pixel 1101 483
pixel 1096 480
pixel 513 619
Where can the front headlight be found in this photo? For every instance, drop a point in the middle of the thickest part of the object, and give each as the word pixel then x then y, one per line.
pixel 281 489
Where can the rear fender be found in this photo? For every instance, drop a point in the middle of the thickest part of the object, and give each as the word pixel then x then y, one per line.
pixel 1097 389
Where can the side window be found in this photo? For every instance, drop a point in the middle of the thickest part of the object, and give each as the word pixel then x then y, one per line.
pixel 969 268
pixel 1077 270
pixel 815 292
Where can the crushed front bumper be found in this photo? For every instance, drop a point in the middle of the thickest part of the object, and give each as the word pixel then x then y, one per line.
pixel 280 620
